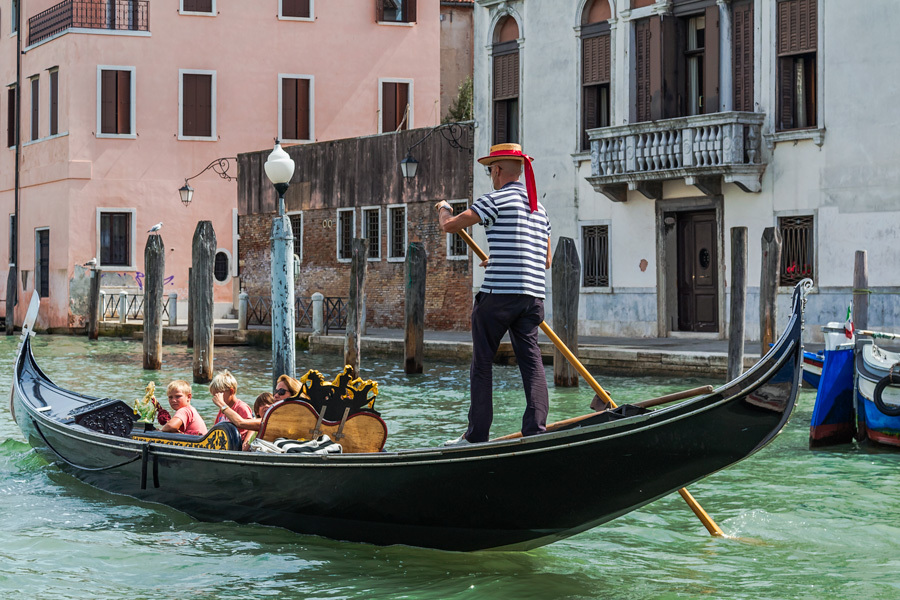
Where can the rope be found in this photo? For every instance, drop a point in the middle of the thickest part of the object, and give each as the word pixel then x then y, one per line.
pixel 70 463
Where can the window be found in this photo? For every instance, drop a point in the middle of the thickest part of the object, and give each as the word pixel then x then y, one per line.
pixel 42 262
pixel 396 109
pixel 742 53
pixel 395 11
pixel 295 113
pixel 297 230
pixel 595 255
pixel 54 102
pixel 14 10
pixel 35 108
pixel 115 112
pixel 595 69
pixel 13 249
pixel 198 103
pixel 198 6
pixel 11 120
pixel 372 231
pixel 797 249
pixel 116 237
pixel 220 266
pixel 505 53
pixel 296 9
pixel 796 46
pixel 456 246
pixel 346 226
pixel 396 232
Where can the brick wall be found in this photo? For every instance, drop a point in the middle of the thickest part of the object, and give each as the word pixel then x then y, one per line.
pixel 448 290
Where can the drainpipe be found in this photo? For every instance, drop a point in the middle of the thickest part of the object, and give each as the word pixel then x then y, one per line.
pixel 12 279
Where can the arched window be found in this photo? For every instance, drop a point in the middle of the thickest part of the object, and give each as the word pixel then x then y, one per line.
pixel 220 268
pixel 595 68
pixel 505 53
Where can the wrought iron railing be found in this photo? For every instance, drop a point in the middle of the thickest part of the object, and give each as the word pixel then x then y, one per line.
pixel 134 306
pixel 127 15
pixel 259 312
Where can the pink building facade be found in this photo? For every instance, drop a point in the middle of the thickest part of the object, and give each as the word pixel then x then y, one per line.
pixel 120 104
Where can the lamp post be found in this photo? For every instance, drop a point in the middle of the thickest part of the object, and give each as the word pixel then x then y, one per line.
pixel 458 135
pixel 279 169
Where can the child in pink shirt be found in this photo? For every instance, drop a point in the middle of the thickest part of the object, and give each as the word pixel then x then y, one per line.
pixel 186 418
pixel 223 388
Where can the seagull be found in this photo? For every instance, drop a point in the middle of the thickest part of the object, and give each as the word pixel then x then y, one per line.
pixel 155 228
pixel 91 263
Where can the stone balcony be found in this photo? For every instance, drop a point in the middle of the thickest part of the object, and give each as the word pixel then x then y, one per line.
pixel 704 150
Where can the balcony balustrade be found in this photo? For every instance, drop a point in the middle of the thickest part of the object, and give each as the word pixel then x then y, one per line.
pixel 703 149
pixel 127 15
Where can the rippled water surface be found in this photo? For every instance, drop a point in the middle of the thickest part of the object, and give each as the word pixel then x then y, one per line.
pixel 804 524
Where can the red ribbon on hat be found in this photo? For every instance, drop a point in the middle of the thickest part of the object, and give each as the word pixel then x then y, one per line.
pixel 530 187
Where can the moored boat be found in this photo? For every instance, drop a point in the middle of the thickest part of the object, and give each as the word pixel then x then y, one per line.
pixel 877 394
pixel 812 368
pixel 511 494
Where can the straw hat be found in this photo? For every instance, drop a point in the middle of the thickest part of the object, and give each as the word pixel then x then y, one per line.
pixel 504 152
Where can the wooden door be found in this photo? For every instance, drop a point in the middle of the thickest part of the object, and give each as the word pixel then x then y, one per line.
pixel 698 299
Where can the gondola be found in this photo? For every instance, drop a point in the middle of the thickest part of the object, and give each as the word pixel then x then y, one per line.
pixel 511 494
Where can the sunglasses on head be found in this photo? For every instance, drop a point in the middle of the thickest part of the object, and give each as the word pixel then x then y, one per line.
pixel 487 169
pixel 280 392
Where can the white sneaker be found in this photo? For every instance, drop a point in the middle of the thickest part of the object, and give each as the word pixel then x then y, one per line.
pixel 460 441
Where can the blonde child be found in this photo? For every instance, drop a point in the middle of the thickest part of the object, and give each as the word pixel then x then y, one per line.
pixel 186 418
pixel 223 388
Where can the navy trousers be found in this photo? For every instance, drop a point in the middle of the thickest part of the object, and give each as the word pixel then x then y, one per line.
pixel 492 316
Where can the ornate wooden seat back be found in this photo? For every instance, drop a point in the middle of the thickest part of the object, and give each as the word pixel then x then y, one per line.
pixel 295 419
pixel 339 395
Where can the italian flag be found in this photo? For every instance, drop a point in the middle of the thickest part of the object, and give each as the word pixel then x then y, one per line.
pixel 848 324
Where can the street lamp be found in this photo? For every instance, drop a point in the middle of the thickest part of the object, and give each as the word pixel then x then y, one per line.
pixel 219 166
pixel 279 169
pixel 452 132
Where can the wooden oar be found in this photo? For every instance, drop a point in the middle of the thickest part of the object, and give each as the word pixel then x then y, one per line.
pixel 876 334
pixel 710 525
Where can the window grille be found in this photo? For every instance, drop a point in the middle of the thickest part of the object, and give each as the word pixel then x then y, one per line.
pixel 457 244
pixel 398 232
pixel 797 249
pixel 220 267
pixel 345 241
pixel 297 231
pixel 595 253
pixel 372 224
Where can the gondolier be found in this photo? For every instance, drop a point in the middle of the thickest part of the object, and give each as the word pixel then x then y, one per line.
pixel 511 298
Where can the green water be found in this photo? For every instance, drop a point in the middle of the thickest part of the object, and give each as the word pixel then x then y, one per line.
pixel 805 524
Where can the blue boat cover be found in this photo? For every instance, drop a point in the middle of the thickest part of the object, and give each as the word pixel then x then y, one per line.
pixel 832 419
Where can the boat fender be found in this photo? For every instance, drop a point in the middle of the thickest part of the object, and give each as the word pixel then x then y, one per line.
pixel 885 381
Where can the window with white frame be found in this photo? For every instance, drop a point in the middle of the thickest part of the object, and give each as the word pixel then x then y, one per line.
pixel 595 255
pixel 297 230
pixel 222 266
pixel 115 101
pixel 196 105
pixel 346 227
pixel 42 261
pixel 301 10
pixel 796 50
pixel 395 11
pixel 396 227
pixel 456 246
pixel 371 223
pixel 115 238
pixel 395 103
pixel 198 7
pixel 296 118
pixel 54 101
pixel 35 108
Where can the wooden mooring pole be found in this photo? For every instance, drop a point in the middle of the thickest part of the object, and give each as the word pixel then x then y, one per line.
pixel 155 269
pixel 203 253
pixel 357 303
pixel 738 302
pixel 414 332
pixel 566 278
pixel 94 305
pixel 860 313
pixel 190 318
pixel 768 287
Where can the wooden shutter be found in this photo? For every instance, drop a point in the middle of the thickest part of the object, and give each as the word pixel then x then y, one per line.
pixel 54 102
pixel 11 117
pixel 388 106
pixel 711 61
pixel 303 132
pixel 35 108
pixel 197 5
pixel 295 8
pixel 501 122
pixel 289 109
pixel 43 275
pixel 595 55
pixel 379 10
pixel 123 102
pixel 786 92
pixel 506 76
pixel 197 105
pixel 108 85
pixel 742 67
pixel 642 69
pixel 797 26
pixel 402 106
pixel 410 11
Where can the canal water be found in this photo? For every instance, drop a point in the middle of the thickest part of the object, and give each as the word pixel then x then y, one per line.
pixel 803 524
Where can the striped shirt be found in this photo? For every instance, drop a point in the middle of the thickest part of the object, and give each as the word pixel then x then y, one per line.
pixel 517 239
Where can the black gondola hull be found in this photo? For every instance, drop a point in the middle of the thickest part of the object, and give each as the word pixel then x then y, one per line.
pixel 514 494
